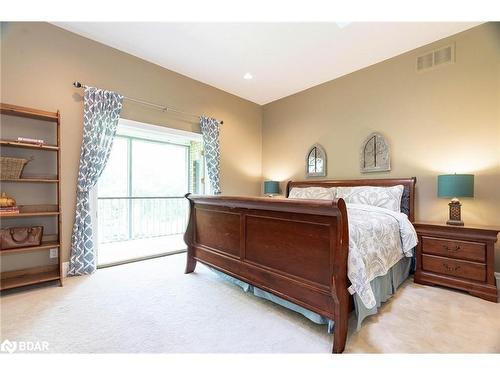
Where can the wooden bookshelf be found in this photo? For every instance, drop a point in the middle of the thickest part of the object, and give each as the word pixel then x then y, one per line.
pixel 30 180
pixel 43 246
pixel 30 275
pixel 34 210
pixel 8 143
pixel 36 114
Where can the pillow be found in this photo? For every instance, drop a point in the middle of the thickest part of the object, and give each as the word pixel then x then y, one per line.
pixel 385 197
pixel 334 192
pixel 314 192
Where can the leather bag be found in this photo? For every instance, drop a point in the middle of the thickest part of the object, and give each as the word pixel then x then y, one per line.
pixel 11 238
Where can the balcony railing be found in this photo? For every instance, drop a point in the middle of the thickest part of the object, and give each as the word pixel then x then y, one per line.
pixel 131 218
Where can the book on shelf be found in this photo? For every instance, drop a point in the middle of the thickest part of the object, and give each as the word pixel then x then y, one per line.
pixel 31 140
pixel 9 208
pixel 5 211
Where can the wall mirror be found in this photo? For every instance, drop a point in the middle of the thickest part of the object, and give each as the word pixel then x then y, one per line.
pixel 316 161
pixel 375 154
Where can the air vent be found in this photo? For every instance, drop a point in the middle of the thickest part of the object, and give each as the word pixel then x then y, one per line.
pixel 425 61
pixel 438 57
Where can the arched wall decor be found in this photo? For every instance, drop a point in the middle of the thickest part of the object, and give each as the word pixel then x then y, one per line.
pixel 316 161
pixel 375 154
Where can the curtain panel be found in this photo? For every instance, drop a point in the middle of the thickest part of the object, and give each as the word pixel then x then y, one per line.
pixel 210 131
pixel 100 119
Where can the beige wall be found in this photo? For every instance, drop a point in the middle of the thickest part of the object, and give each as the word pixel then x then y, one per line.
pixel 445 120
pixel 442 121
pixel 40 61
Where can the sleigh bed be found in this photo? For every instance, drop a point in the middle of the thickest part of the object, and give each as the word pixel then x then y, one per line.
pixel 294 249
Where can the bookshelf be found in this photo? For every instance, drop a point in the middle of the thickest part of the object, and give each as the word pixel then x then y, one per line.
pixel 29 187
pixel 29 145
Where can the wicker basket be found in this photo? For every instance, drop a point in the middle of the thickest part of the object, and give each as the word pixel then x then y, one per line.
pixel 11 168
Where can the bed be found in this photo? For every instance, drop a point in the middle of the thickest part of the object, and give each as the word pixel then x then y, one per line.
pixel 293 249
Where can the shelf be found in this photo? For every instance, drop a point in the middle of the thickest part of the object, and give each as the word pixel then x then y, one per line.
pixel 30 180
pixel 40 124
pixel 43 246
pixel 14 279
pixel 16 110
pixel 34 210
pixel 7 143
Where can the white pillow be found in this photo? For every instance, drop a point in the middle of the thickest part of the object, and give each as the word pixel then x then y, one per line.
pixel 313 192
pixel 334 191
pixel 385 197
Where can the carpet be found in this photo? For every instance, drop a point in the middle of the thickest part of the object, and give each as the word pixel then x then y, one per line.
pixel 152 307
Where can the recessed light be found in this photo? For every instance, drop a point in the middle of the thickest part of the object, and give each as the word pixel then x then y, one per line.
pixel 341 25
pixel 247 76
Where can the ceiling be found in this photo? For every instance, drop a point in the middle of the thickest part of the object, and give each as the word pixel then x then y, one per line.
pixel 283 58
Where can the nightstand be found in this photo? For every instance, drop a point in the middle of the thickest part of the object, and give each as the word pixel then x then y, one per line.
pixel 457 257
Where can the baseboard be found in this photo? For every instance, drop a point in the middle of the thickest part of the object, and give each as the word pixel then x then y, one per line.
pixel 65 267
pixel 149 257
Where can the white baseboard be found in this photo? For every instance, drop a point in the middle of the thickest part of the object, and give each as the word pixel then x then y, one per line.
pixel 65 267
pixel 497 276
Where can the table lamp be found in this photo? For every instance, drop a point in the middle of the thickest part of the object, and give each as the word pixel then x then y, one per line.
pixel 271 188
pixel 454 186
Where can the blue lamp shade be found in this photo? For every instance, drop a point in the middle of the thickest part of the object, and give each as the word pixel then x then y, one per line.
pixel 271 187
pixel 455 185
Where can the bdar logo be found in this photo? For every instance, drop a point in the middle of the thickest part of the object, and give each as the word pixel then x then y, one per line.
pixel 8 346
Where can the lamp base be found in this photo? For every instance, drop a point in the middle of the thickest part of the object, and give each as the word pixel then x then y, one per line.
pixel 455 213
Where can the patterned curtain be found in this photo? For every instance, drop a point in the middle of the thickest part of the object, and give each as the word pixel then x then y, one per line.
pixel 100 119
pixel 210 131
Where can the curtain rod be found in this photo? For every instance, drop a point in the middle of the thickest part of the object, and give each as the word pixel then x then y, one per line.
pixel 143 102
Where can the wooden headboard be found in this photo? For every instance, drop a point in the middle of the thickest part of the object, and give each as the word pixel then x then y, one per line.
pixel 407 200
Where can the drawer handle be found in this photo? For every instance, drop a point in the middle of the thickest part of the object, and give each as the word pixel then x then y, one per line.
pixel 449 268
pixel 452 249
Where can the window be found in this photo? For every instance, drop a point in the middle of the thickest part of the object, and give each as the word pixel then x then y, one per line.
pixel 141 191
pixel 114 180
pixel 159 169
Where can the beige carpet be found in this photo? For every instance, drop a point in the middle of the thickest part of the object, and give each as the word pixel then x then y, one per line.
pixel 151 306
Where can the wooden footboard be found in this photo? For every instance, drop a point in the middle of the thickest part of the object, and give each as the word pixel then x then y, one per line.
pixel 295 249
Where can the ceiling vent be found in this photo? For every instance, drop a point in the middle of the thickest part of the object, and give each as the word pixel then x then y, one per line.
pixel 436 58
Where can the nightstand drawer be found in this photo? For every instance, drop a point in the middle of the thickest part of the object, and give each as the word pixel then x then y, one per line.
pixel 454 249
pixel 453 267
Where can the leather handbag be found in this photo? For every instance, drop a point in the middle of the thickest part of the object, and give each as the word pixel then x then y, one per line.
pixel 11 238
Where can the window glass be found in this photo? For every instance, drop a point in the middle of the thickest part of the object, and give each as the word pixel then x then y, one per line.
pixel 114 179
pixel 159 169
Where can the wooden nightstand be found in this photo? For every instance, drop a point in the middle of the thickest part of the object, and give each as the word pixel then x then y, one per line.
pixel 457 257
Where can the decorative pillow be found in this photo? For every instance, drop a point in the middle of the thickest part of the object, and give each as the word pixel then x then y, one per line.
pixel 314 192
pixel 334 191
pixel 385 197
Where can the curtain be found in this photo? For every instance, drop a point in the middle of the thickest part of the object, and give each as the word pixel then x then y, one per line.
pixel 210 131
pixel 100 119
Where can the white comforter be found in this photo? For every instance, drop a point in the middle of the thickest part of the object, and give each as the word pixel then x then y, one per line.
pixel 378 239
